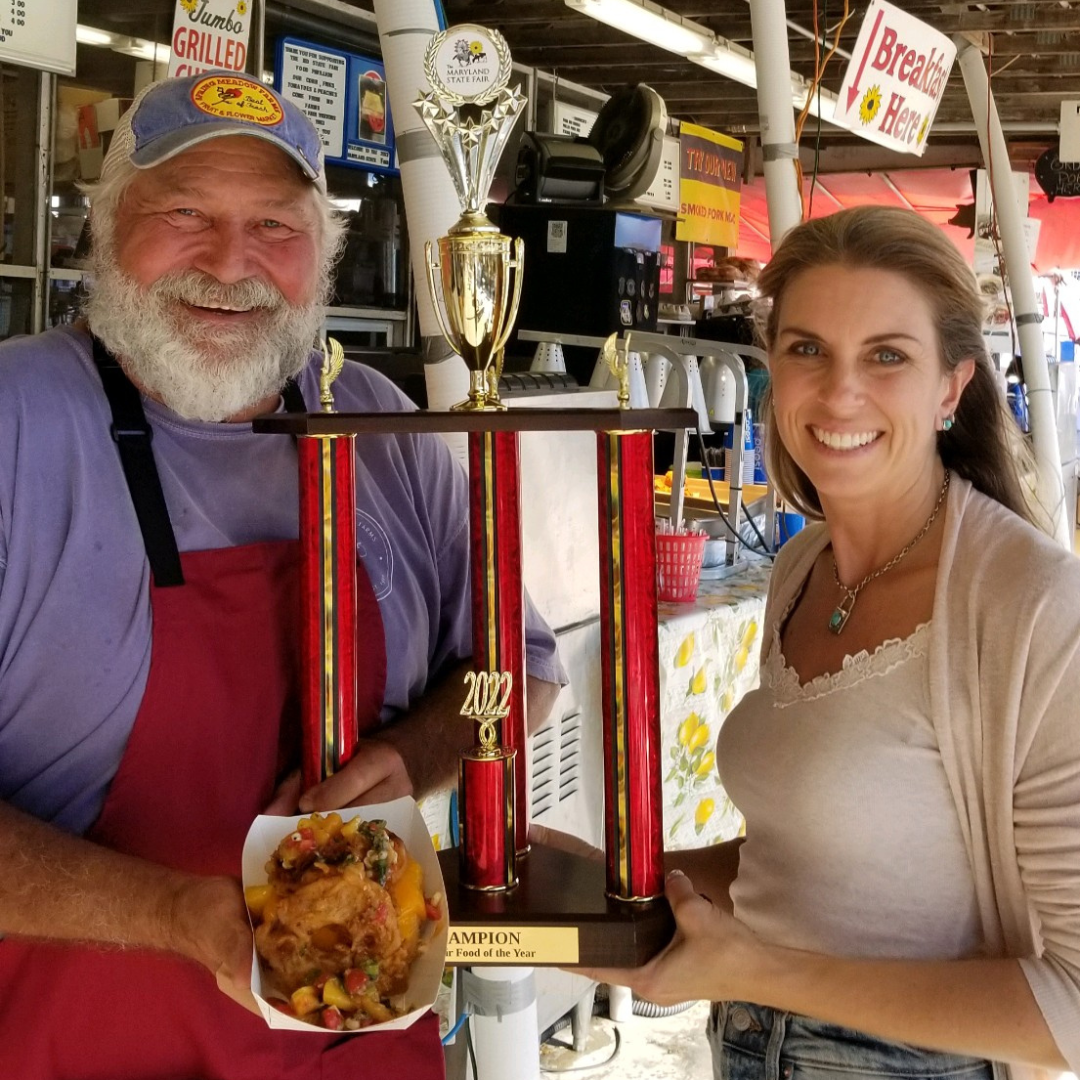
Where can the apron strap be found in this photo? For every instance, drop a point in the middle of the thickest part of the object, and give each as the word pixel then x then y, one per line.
pixel 133 435
pixel 292 397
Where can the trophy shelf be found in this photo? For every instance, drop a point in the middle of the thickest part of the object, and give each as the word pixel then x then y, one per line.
pixel 559 899
pixel 422 420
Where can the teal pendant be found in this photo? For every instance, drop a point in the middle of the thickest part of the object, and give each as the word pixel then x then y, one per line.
pixel 842 612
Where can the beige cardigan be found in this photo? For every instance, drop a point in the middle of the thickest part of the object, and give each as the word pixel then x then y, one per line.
pixel 1005 695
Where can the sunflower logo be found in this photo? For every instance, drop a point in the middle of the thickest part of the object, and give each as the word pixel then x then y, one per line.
pixel 241 7
pixel 189 5
pixel 476 48
pixel 923 130
pixel 871 102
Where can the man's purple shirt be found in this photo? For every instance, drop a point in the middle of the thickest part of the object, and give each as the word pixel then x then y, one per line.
pixel 75 619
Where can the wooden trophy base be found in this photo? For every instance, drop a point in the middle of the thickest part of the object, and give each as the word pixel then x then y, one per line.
pixel 558 915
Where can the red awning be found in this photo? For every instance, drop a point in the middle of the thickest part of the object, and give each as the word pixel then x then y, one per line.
pixel 934 193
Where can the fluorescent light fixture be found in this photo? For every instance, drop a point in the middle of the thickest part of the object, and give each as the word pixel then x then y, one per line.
pixel 658 26
pixel 730 60
pixel 140 48
pixel 145 50
pixel 824 101
pixel 89 35
pixel 736 63
pixel 651 23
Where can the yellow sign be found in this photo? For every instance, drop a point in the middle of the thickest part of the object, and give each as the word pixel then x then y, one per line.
pixel 710 180
pixel 233 96
pixel 512 945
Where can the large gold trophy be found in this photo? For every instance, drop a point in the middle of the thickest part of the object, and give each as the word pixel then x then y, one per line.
pixel 545 906
pixel 470 113
pixel 509 904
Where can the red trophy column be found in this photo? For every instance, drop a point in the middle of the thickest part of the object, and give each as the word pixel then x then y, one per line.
pixel 328 603
pixel 486 788
pixel 633 804
pixel 497 593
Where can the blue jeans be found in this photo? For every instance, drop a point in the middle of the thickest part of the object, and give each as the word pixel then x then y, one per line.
pixel 752 1042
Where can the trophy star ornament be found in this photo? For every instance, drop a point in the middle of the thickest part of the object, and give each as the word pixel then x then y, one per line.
pixel 475 281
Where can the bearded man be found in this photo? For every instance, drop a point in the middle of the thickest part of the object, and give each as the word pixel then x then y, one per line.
pixel 148 599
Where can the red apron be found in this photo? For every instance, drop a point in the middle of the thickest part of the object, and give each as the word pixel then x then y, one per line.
pixel 200 764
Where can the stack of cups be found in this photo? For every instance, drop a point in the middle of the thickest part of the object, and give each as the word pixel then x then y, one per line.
pixel 748 469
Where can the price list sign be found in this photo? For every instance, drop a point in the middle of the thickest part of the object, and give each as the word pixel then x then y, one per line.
pixel 344 96
pixel 38 35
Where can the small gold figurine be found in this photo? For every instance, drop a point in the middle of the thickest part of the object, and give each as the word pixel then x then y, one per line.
pixel 618 363
pixel 488 702
pixel 333 361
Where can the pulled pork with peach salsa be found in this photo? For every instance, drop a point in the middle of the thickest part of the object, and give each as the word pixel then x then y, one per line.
pixel 337 925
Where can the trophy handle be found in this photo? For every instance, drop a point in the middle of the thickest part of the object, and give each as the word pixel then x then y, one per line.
pixel 517 264
pixel 432 266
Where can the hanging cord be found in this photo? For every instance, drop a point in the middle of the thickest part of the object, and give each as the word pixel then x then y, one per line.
pixel 461 1020
pixel 817 131
pixel 764 549
pixel 819 74
pixel 472 1050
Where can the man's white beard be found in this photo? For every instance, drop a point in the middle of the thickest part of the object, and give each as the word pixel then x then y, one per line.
pixel 200 371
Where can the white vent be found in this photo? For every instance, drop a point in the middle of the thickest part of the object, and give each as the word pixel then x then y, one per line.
pixel 556 763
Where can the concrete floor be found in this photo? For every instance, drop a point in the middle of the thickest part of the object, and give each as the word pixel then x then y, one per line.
pixel 642 1048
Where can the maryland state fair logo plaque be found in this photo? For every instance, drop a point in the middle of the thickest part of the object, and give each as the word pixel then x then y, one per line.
pixel 231 97
pixel 467 64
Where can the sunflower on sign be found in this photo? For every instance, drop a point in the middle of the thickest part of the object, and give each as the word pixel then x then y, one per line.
pixel 871 102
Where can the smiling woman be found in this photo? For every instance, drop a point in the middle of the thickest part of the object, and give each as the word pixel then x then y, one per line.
pixel 903 268
pixel 908 768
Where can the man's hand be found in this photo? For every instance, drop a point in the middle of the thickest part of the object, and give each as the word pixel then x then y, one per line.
pixel 375 773
pixel 63 888
pixel 209 924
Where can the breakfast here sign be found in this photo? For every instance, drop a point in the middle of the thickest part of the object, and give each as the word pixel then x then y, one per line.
pixel 895 79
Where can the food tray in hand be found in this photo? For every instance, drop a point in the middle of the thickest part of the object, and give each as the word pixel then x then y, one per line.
pixel 402 817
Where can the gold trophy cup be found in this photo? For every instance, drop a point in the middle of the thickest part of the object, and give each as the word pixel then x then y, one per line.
pixel 470 113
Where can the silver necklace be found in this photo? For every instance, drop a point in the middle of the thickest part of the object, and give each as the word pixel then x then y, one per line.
pixel 842 612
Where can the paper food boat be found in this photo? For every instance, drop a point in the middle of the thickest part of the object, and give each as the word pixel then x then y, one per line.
pixel 402 816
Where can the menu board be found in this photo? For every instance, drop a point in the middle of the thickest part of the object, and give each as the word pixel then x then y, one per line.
pixel 38 35
pixel 344 95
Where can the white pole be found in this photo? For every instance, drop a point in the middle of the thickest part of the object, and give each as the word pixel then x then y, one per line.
pixel 431 204
pixel 783 196
pixel 1050 483
pixel 505 1029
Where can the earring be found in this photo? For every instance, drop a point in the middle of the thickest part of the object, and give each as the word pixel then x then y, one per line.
pixel 947 423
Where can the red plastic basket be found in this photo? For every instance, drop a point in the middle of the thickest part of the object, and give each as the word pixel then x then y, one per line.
pixel 678 565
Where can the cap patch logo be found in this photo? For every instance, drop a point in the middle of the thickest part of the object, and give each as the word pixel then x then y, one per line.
pixel 233 98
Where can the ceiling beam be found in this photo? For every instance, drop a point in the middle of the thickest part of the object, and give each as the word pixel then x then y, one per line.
pixel 1020 20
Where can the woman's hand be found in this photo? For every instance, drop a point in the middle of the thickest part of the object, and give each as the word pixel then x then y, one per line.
pixel 706 959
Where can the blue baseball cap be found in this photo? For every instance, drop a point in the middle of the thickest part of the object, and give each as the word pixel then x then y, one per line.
pixel 174 115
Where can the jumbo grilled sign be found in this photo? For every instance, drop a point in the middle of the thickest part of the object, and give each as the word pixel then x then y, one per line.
pixel 895 79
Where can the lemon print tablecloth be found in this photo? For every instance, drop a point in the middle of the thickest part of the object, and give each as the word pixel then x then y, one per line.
pixel 709 653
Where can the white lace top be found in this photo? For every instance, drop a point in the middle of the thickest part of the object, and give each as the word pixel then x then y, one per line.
pixel 853 846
